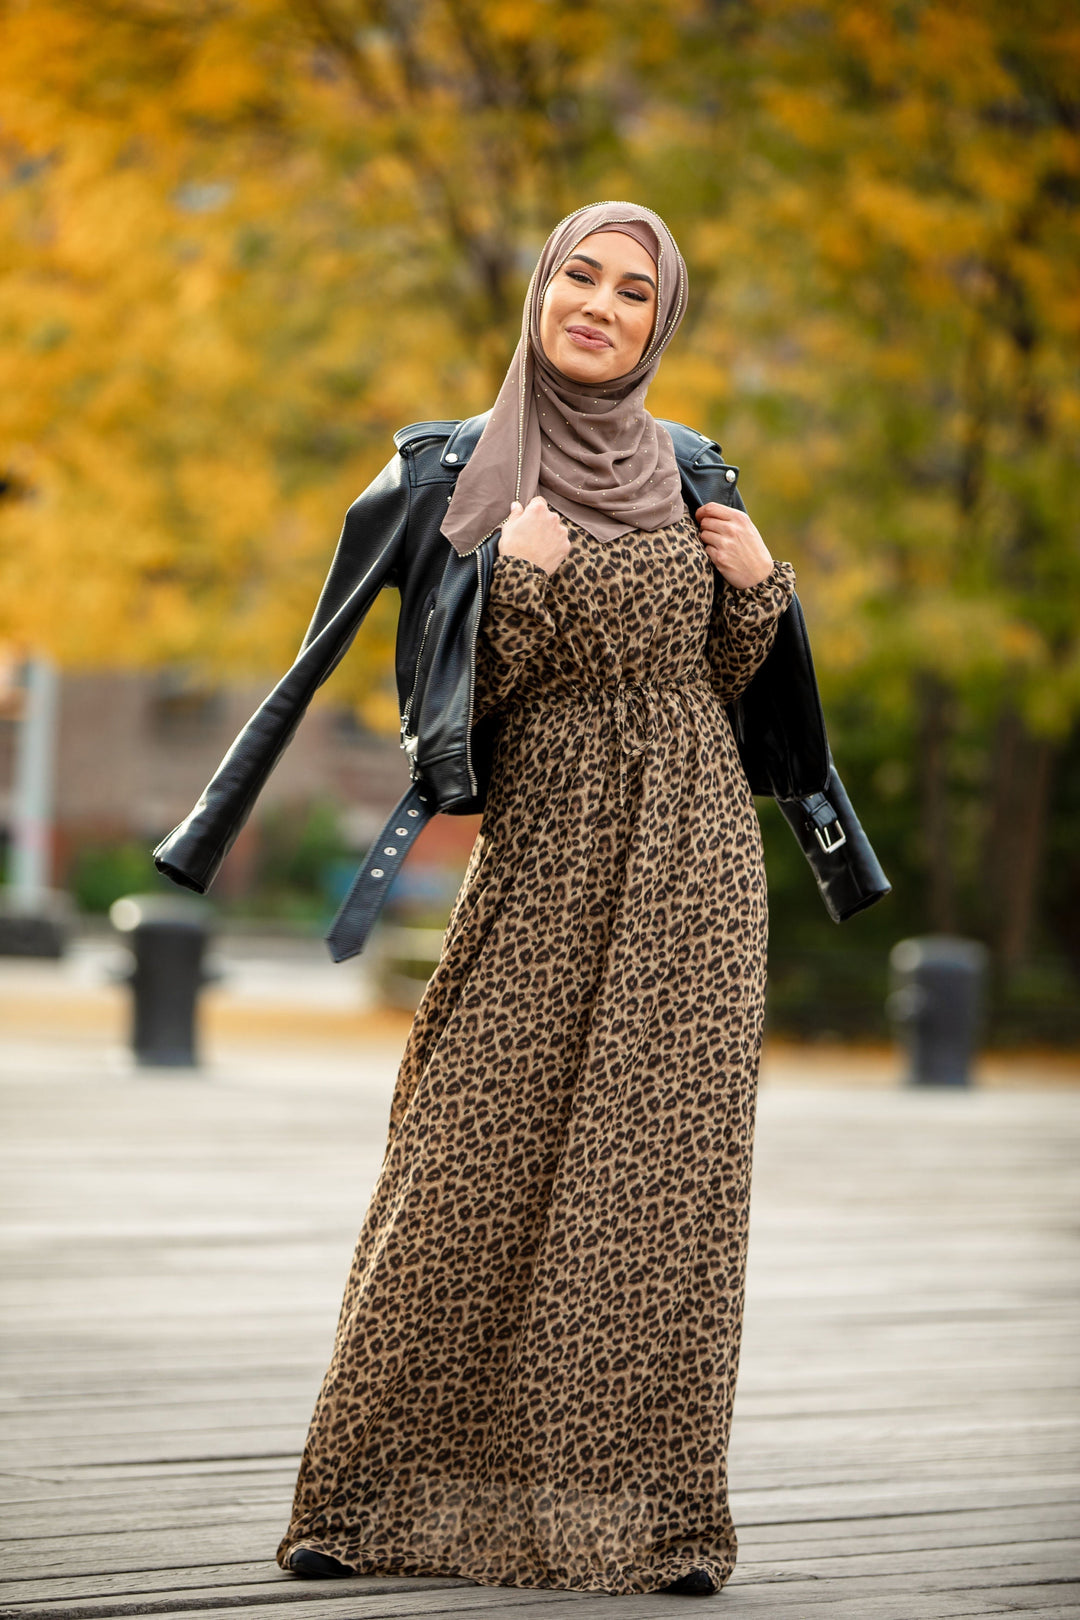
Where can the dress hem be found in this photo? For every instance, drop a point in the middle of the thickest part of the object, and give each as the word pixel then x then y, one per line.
pixel 719 1571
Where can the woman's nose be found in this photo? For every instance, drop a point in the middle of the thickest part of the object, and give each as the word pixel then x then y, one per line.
pixel 598 303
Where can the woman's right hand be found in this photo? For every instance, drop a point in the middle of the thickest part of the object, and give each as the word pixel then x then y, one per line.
pixel 536 533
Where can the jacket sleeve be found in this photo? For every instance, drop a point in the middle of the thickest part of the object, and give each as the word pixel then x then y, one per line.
pixel 367 556
pixel 516 624
pixel 742 628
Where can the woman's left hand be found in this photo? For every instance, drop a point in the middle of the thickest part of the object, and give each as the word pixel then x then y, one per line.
pixel 733 545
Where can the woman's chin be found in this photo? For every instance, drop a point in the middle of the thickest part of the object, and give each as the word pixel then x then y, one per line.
pixel 586 365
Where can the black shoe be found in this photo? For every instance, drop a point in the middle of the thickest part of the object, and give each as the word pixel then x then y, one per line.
pixel 696 1584
pixel 316 1566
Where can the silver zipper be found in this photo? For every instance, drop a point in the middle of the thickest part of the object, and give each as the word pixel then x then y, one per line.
pixel 410 744
pixel 416 674
pixel 472 687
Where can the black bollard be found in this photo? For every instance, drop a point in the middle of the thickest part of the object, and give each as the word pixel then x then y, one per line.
pixel 935 1003
pixel 168 937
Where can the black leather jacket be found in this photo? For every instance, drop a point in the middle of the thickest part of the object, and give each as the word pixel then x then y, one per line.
pixel 391 536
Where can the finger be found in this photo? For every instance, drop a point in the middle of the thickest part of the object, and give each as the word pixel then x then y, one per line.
pixel 515 508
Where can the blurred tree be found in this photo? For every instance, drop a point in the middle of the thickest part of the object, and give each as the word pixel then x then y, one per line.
pixel 248 240
pixel 902 261
pixel 245 242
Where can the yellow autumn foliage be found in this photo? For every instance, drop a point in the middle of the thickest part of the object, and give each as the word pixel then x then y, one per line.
pixel 243 244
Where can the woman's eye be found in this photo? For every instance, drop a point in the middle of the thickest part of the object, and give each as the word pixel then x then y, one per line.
pixel 632 293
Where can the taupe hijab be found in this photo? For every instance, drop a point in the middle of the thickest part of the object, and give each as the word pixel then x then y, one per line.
pixel 594 454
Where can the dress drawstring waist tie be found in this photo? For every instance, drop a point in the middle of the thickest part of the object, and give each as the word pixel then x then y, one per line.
pixel 631 712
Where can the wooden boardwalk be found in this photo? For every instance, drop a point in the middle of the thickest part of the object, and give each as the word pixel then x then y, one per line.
pixel 905 1443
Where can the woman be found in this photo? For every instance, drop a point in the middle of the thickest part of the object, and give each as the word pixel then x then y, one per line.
pixel 535 1364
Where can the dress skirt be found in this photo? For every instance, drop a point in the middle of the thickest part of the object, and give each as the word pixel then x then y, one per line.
pixel 534 1369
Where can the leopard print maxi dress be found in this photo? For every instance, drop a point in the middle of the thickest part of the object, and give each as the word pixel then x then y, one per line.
pixel 534 1369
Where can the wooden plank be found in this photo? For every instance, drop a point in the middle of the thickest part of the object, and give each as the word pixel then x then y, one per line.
pixel 502 1603
pixel 798 1560
pixel 913 1454
pixel 225 1588
pixel 189 1546
pixel 235 1584
pixel 997 1566
pixel 170 1507
pixel 114 1433
pixel 987 1526
pixel 842 1498
pixel 244 1576
pixel 308 1599
pixel 112 1502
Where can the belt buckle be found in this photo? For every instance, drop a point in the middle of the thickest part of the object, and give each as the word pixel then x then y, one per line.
pixel 829 844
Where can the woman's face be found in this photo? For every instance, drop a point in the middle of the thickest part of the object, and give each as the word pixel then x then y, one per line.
pixel 599 309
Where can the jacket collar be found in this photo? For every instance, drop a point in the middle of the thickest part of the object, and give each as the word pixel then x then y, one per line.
pixel 694 451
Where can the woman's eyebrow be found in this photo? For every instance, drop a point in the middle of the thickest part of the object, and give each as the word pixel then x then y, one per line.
pixel 627 275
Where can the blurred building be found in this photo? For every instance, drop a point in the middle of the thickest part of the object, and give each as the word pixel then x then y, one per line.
pixel 135 750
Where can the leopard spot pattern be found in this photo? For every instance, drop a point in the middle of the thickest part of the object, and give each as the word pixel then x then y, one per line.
pixel 535 1363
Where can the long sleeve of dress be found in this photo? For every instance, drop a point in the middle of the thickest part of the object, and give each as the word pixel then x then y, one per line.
pixel 515 625
pixel 742 628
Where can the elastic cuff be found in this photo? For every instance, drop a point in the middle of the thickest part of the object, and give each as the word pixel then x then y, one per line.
pixel 521 585
pixel 757 604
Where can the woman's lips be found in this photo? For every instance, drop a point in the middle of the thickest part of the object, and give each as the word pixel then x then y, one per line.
pixel 587 338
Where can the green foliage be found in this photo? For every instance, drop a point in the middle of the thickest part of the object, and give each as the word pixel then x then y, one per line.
pixel 102 873
pixel 299 875
pixel 301 854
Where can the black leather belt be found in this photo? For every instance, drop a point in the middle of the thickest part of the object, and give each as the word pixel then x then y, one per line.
pixel 371 885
